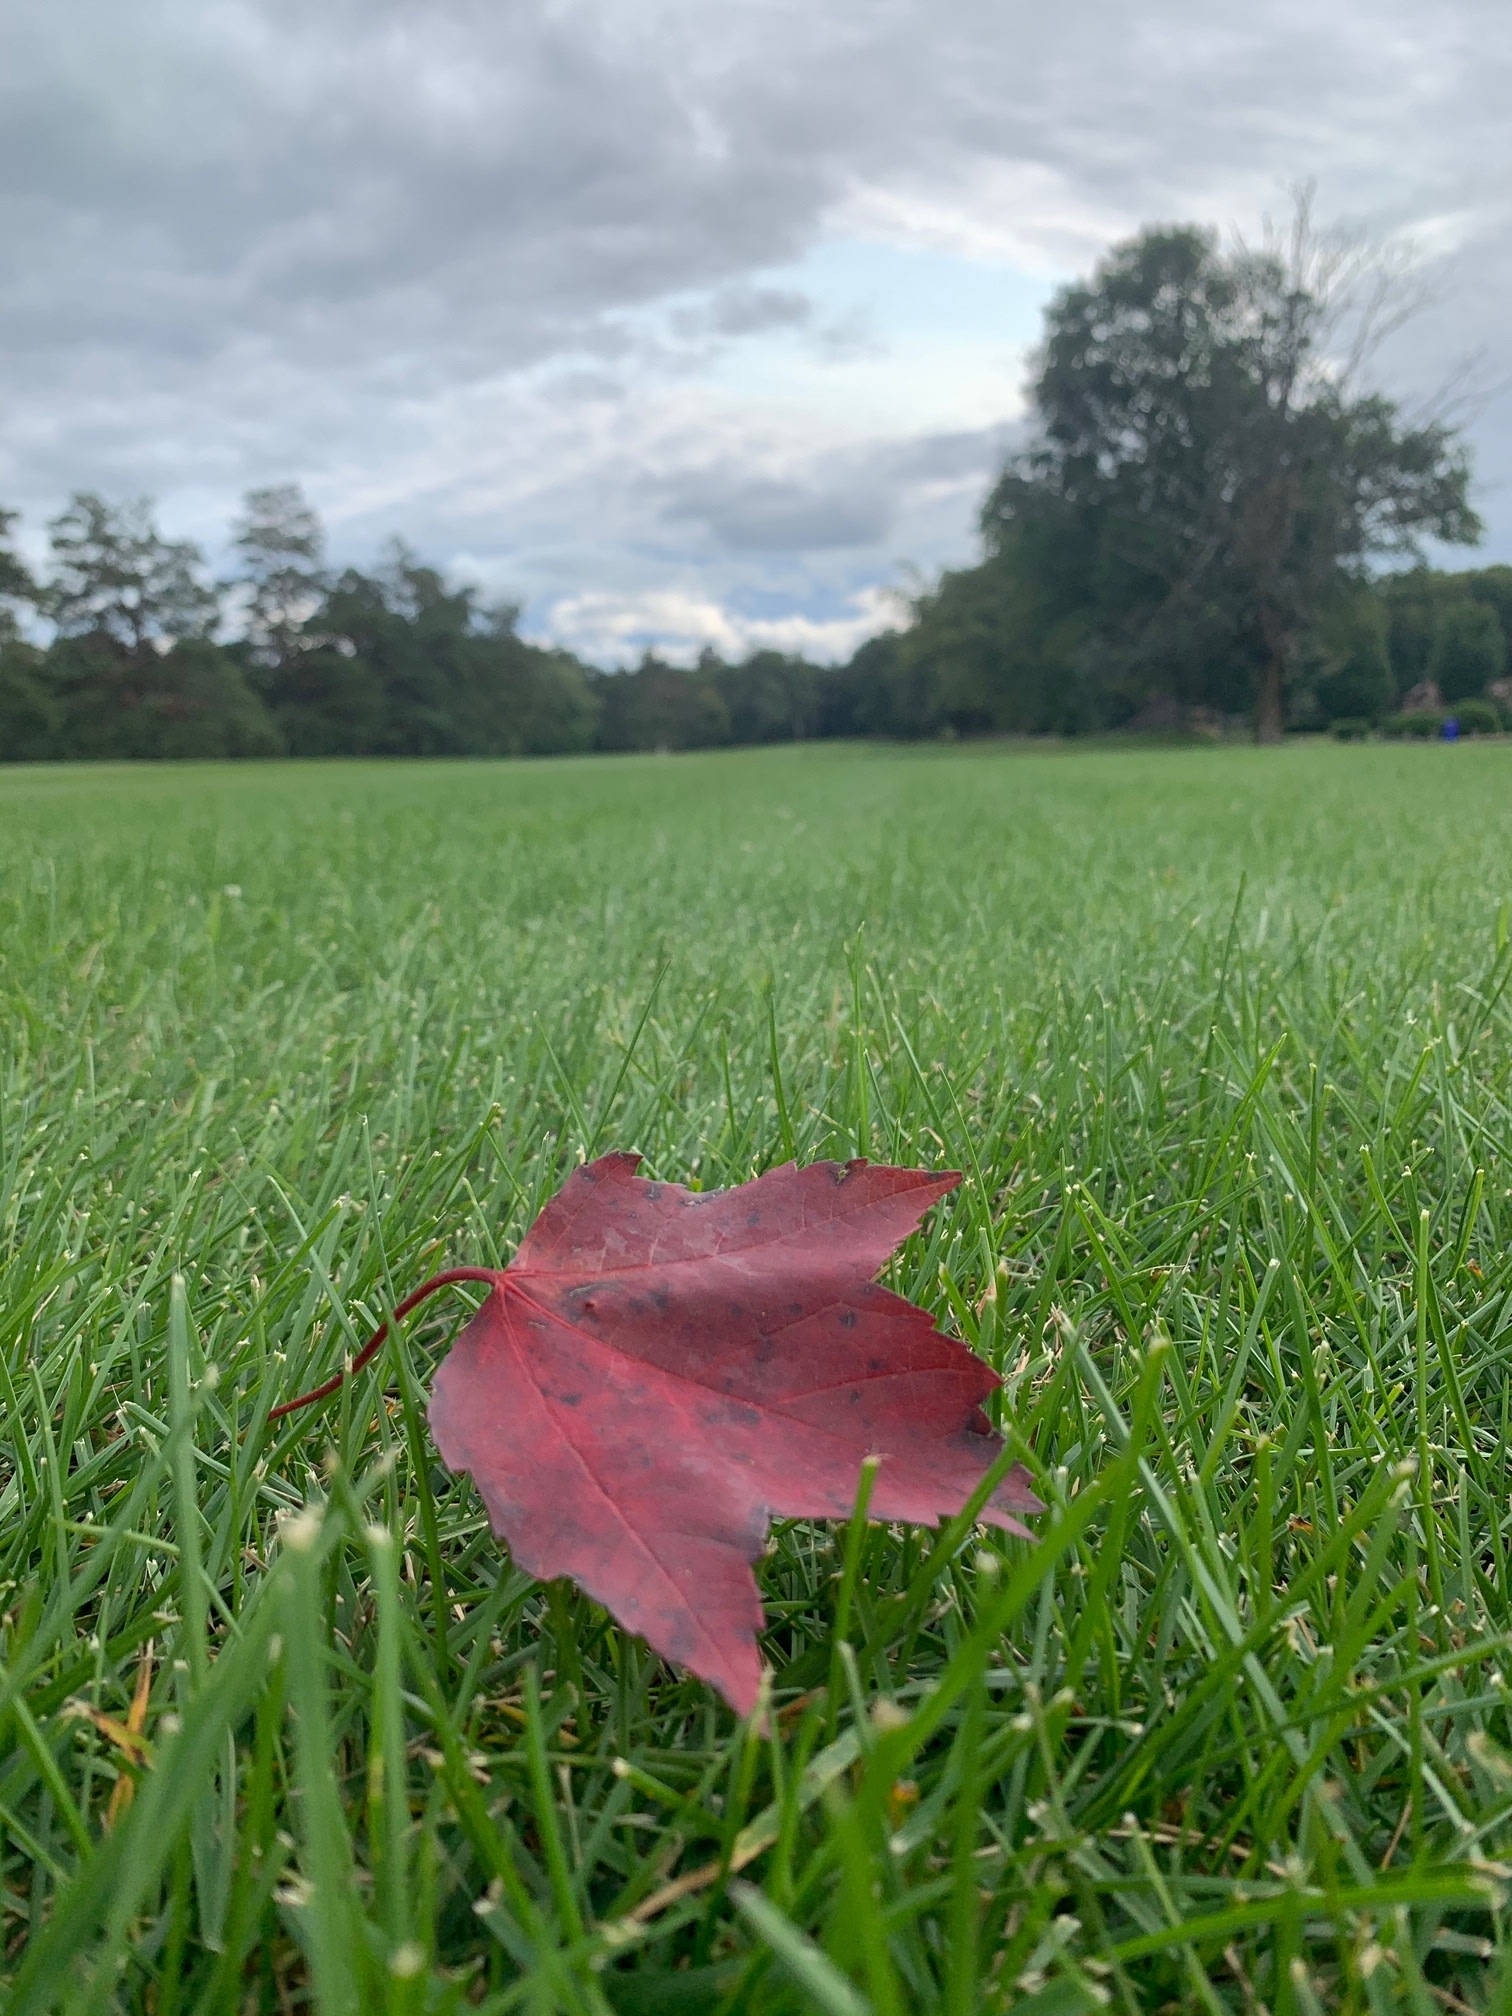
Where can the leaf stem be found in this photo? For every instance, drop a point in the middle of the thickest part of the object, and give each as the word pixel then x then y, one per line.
pixel 411 1301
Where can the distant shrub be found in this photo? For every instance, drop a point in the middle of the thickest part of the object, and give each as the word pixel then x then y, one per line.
pixel 1478 717
pixel 1420 726
pixel 1353 728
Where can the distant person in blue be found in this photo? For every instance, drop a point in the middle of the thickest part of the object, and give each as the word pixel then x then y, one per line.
pixel 1450 729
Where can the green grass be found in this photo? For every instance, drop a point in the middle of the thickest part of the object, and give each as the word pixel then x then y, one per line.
pixel 1223 1041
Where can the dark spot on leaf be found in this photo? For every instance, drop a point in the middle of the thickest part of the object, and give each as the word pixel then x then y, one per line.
pixel 847 1319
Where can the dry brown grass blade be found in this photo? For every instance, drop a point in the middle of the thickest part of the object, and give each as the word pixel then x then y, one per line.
pixel 130 1739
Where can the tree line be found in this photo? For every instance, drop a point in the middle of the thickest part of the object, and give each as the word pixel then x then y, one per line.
pixel 1215 518
pixel 390 661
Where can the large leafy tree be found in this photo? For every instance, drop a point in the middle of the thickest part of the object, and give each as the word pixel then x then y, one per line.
pixel 1208 471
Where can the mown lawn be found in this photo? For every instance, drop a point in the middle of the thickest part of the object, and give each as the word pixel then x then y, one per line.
pixel 1222 1040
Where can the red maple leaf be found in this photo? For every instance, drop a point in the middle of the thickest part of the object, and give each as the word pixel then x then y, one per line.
pixel 659 1372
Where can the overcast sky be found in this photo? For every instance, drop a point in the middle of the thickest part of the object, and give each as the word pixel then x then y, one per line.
pixel 679 322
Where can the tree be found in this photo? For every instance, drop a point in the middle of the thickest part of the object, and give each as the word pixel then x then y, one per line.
pixel 1493 587
pixel 28 718
pixel 410 630
pixel 404 664
pixel 1354 680
pixel 1206 471
pixel 1469 649
pixel 1411 600
pixel 661 706
pixel 190 701
pixel 533 702
pixel 133 671
pixel 115 576
pixel 281 545
pixel 768 697
pixel 27 723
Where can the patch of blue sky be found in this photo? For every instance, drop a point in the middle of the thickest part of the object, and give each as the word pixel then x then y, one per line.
pixel 877 335
pixel 904 291
pixel 898 338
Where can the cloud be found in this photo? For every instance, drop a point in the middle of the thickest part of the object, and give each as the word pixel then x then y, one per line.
pixel 743 310
pixel 679 623
pixel 841 496
pixel 558 289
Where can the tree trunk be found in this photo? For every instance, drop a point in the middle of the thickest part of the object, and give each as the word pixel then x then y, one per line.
pixel 1270 703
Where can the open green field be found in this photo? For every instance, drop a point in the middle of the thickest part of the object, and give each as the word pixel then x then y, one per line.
pixel 1223 1042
